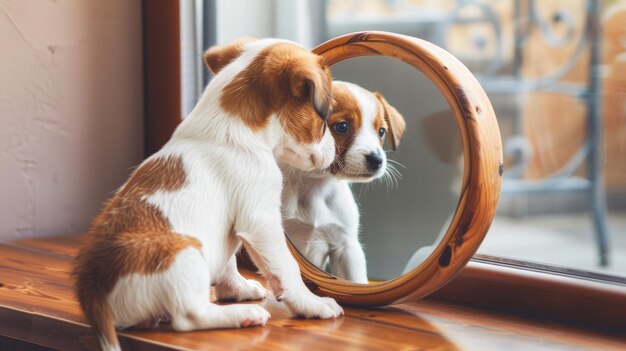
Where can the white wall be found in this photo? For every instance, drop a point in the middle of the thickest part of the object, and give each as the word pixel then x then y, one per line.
pixel 70 110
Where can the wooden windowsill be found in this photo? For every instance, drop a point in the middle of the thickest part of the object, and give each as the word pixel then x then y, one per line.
pixel 539 294
pixel 37 306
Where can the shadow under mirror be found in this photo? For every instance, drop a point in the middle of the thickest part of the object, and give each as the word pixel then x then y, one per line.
pixel 399 214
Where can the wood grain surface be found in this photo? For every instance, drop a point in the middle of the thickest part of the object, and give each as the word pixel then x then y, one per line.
pixel 37 306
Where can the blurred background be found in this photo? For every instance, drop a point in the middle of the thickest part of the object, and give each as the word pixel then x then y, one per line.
pixel 72 115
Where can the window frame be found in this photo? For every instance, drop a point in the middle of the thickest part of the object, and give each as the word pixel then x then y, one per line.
pixel 161 69
pixel 523 290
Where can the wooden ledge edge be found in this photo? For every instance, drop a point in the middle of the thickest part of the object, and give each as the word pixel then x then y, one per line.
pixel 60 333
pixel 544 296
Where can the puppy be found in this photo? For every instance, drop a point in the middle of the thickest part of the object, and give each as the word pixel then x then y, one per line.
pixel 171 231
pixel 319 211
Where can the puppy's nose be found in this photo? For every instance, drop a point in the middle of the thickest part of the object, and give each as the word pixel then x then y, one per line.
pixel 374 161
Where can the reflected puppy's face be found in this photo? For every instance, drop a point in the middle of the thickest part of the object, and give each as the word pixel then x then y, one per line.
pixel 360 123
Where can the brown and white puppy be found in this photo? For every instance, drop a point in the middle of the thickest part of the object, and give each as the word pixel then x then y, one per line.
pixel 320 213
pixel 172 230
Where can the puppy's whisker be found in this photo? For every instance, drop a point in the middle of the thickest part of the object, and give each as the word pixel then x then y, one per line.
pixel 396 163
pixel 387 177
pixel 384 179
pixel 340 162
pixel 391 168
pixel 392 175
pixel 396 178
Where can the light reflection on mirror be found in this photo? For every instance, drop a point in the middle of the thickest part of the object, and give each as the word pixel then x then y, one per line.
pixel 401 221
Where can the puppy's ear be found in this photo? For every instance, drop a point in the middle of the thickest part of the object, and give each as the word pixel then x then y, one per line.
pixel 217 57
pixel 394 120
pixel 312 82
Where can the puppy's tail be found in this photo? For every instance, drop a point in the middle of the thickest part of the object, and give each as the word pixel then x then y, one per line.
pixel 93 300
pixel 99 315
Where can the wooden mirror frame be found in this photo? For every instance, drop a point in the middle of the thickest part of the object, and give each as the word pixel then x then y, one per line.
pixel 482 175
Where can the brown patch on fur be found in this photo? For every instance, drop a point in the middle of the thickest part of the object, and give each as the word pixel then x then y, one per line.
pixel 218 57
pixel 128 236
pixel 395 122
pixel 380 122
pixel 287 80
pixel 345 108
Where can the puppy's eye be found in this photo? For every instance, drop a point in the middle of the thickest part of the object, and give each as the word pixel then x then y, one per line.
pixel 381 132
pixel 341 127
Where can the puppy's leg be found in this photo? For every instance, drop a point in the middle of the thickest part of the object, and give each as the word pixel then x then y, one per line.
pixel 347 260
pixel 316 252
pixel 263 237
pixel 234 287
pixel 211 316
pixel 191 308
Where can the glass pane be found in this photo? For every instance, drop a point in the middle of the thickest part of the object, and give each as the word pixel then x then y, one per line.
pixel 555 72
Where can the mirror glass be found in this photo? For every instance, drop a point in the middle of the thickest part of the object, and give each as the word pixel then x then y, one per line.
pixel 403 216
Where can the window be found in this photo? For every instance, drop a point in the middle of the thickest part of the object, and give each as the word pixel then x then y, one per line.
pixel 554 73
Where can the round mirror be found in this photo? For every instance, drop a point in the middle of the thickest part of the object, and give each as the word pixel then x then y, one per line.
pixel 413 228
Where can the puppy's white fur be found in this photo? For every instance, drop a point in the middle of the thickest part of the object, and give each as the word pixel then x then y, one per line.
pixel 231 196
pixel 321 218
pixel 320 214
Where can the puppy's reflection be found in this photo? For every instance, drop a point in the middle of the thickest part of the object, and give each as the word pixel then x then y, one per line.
pixel 320 214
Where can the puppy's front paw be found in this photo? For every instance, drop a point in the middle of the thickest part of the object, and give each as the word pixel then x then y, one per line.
pixel 315 307
pixel 242 290
pixel 253 290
